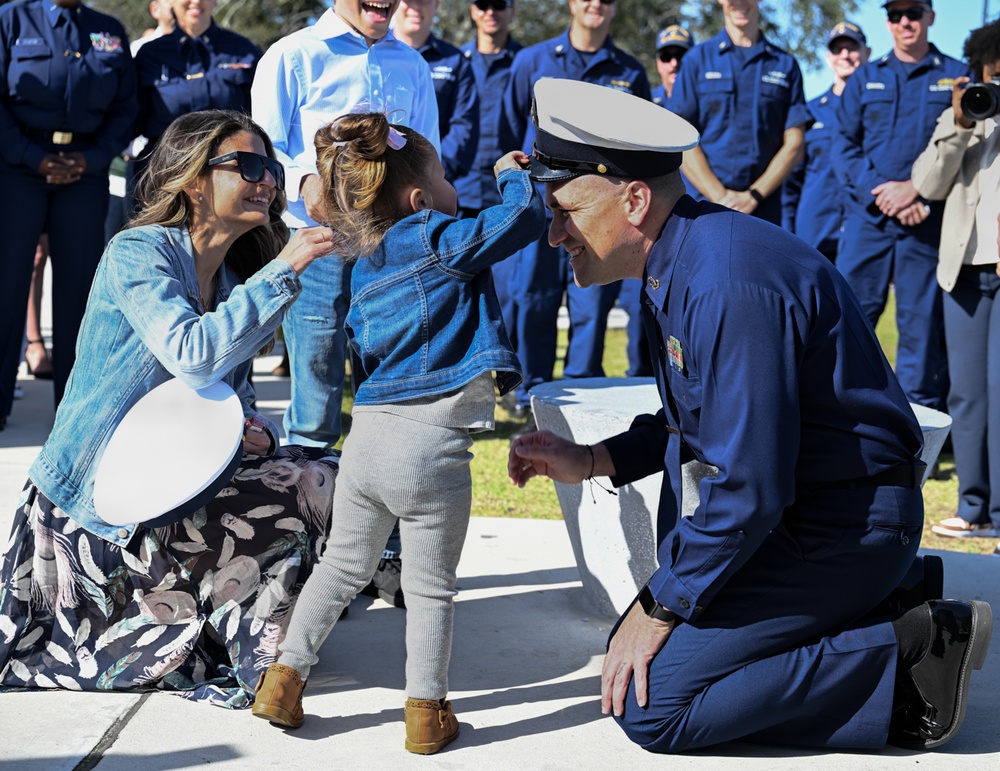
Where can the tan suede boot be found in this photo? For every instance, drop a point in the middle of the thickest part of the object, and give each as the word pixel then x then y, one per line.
pixel 279 696
pixel 430 725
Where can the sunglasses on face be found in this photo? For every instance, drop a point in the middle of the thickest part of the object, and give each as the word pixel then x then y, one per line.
pixel 666 55
pixel 492 5
pixel 253 166
pixel 916 13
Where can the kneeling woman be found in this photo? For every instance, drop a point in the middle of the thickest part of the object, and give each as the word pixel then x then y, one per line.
pixel 193 289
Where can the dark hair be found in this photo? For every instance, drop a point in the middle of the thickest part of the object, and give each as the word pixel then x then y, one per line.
pixel 982 47
pixel 180 157
pixel 365 178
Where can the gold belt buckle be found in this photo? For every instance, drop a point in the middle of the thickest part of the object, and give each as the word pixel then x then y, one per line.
pixel 62 137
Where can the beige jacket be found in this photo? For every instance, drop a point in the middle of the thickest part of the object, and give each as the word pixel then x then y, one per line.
pixel 948 169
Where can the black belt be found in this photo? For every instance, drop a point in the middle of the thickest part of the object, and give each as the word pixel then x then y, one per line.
pixel 57 137
pixel 909 475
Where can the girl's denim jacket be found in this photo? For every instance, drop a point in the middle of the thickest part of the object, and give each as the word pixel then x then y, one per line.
pixel 424 315
pixel 144 325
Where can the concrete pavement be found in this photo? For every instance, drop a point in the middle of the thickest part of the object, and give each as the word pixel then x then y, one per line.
pixel 525 674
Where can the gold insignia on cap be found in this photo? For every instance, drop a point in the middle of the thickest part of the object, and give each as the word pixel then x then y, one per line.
pixel 602 168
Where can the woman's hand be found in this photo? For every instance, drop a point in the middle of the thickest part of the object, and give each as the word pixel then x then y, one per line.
pixel 307 245
pixel 957 89
pixel 256 440
pixel 513 160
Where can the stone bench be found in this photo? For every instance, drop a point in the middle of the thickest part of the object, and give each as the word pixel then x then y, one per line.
pixel 614 537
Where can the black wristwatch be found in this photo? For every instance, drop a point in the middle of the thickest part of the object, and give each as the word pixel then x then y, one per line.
pixel 652 608
pixel 756 195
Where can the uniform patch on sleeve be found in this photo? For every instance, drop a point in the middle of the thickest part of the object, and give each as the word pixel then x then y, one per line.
pixel 235 66
pixel 106 43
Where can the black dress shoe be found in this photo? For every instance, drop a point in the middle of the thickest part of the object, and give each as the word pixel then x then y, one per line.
pixel 931 698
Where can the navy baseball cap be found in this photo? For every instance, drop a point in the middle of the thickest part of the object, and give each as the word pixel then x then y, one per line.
pixel 674 35
pixel 847 29
pixel 928 3
pixel 585 128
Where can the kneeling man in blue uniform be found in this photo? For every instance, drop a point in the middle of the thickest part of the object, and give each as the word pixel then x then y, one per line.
pixel 791 607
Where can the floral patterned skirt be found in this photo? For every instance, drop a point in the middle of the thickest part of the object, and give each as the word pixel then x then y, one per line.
pixel 197 608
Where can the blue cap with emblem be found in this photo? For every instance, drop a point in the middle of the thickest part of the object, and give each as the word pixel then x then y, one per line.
pixel 928 3
pixel 674 35
pixel 847 29
pixel 584 128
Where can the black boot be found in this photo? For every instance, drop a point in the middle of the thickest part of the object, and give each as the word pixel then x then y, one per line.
pixel 931 697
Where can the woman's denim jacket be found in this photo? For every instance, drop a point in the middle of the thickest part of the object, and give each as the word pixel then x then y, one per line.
pixel 144 325
pixel 424 315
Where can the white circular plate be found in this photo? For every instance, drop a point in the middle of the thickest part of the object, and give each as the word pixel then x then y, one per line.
pixel 170 446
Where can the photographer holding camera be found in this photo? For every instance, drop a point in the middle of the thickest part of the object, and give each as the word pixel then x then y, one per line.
pixel 961 165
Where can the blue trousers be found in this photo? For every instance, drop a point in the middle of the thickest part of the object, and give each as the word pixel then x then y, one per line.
pixel 870 257
pixel 539 277
pixel 784 654
pixel 317 350
pixel 972 330
pixel 73 216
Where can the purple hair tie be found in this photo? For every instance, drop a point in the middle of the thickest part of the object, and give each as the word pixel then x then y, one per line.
pixel 396 140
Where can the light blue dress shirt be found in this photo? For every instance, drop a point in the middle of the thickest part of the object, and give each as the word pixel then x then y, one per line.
pixel 316 74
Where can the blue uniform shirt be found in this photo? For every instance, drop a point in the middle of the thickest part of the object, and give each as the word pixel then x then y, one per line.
pixel 885 119
pixel 179 74
pixel 52 84
pixel 660 96
pixel 812 207
pixel 458 105
pixel 556 58
pixel 478 188
pixel 742 109
pixel 769 371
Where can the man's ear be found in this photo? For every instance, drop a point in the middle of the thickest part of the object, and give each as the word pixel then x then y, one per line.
pixel 637 200
pixel 418 199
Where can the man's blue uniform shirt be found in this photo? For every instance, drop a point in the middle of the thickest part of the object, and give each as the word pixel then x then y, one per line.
pixel 742 109
pixel 556 58
pixel 478 188
pixel 89 90
pixel 458 105
pixel 885 119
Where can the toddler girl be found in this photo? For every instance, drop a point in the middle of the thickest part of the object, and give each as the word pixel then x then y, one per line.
pixel 426 322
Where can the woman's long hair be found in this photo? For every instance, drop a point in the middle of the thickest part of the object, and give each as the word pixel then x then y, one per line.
pixel 180 157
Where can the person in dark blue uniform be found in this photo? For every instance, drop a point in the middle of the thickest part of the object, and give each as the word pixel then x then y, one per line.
pixel 811 205
pixel 66 108
pixel 885 118
pixel 744 95
pixel 454 85
pixel 775 615
pixel 672 42
pixel 542 272
pixel 197 66
pixel 491 55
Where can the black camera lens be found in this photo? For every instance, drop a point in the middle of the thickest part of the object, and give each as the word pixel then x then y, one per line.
pixel 981 101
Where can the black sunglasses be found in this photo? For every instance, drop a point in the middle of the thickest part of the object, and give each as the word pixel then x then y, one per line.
pixel 494 5
pixel 253 166
pixel 916 13
pixel 667 55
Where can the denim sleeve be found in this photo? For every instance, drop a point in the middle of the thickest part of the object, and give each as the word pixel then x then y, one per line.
pixel 145 281
pixel 472 245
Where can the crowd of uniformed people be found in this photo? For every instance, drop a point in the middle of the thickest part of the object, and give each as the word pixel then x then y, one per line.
pixel 835 170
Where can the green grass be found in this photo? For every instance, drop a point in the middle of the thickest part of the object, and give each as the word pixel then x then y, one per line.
pixel 495 496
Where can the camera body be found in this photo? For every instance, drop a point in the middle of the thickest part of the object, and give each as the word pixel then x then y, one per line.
pixel 981 100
